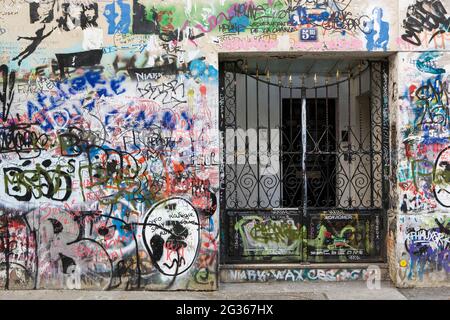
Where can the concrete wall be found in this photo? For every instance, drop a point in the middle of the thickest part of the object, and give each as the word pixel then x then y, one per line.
pixel 110 176
pixel 422 226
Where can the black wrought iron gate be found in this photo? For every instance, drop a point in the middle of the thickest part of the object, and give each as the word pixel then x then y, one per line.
pixel 304 169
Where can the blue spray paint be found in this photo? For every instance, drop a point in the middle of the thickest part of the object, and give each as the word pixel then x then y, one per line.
pixel 378 35
pixel 302 17
pixel 425 63
pixel 199 70
pixel 168 121
pixel 189 121
pixel 239 24
pixel 123 25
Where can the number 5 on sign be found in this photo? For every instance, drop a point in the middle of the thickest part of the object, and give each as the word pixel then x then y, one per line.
pixel 308 34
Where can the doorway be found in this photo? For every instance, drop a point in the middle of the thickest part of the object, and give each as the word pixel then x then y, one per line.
pixel 304 151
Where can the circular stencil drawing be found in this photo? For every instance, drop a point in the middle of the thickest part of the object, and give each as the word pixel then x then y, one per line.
pixel 441 178
pixel 171 234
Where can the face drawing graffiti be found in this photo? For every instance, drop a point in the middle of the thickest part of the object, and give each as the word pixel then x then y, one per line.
pixel 171 235
pixel 441 178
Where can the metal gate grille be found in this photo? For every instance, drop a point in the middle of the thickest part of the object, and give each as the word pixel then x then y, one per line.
pixel 304 167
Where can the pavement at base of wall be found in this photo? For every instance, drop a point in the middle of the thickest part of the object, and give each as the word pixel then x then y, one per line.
pixel 356 290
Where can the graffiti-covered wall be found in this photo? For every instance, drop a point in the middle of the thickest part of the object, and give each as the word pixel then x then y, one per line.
pixel 109 147
pixel 423 225
pixel 110 143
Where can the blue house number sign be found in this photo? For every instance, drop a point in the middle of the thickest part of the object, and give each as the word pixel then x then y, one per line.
pixel 308 34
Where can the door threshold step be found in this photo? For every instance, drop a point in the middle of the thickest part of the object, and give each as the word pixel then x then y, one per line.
pixel 303 272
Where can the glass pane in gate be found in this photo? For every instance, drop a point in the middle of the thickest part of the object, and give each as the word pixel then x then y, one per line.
pixel 256 236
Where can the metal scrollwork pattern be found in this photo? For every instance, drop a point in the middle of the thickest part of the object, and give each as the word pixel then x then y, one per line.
pixel 343 169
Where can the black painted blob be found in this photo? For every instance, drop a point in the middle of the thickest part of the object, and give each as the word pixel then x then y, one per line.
pixel 57 226
pixel 157 244
pixel 103 231
pixel 46 163
pixel 66 262
pixel 26 163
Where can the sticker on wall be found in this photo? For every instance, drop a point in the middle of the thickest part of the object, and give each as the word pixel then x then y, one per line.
pixel 171 235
